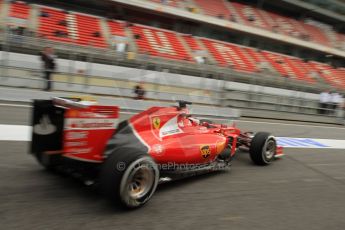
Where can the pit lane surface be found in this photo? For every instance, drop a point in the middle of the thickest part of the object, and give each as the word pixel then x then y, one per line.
pixel 305 190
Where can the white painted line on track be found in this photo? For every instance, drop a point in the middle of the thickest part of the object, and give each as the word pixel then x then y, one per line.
pixel 328 164
pixel 311 143
pixel 15 133
pixel 23 133
pixel 14 105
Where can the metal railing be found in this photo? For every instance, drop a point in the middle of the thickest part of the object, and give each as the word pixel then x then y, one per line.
pixel 36 80
pixel 246 99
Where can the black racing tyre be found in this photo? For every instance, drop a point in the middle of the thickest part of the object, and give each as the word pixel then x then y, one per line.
pixel 129 178
pixel 121 126
pixel 262 148
pixel 49 162
pixel 225 154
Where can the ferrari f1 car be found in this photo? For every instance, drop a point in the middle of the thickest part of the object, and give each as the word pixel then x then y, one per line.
pixel 130 158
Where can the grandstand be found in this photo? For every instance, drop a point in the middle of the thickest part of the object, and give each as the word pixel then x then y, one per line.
pixel 229 40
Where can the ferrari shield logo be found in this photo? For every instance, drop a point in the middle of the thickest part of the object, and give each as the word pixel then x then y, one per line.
pixel 156 122
pixel 205 151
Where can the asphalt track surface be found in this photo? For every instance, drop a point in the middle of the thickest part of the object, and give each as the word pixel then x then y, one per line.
pixel 305 190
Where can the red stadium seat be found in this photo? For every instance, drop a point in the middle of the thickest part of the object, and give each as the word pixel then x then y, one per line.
pixel 247 12
pixel 49 24
pixel 80 29
pixel 85 30
pixel 87 27
pixel 20 10
pixel 299 69
pixel 255 55
pixel 116 28
pixel 216 8
pixel 334 77
pixel 316 34
pixel 227 54
pixel 253 16
pixel 192 42
pixel 158 42
pixel 278 62
pixel 280 24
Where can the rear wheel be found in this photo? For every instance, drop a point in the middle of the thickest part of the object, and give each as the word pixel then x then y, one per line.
pixel 49 162
pixel 262 148
pixel 129 178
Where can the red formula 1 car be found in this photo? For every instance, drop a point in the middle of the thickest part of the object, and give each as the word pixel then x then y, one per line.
pixel 129 159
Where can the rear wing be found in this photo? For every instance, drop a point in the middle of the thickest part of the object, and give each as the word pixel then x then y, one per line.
pixel 71 102
pixel 47 127
pixel 72 127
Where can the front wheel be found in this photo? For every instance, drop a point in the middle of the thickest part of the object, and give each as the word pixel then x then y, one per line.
pixel 262 148
pixel 129 178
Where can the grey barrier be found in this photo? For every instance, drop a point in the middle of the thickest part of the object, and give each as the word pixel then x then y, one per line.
pixel 227 98
pixel 126 104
